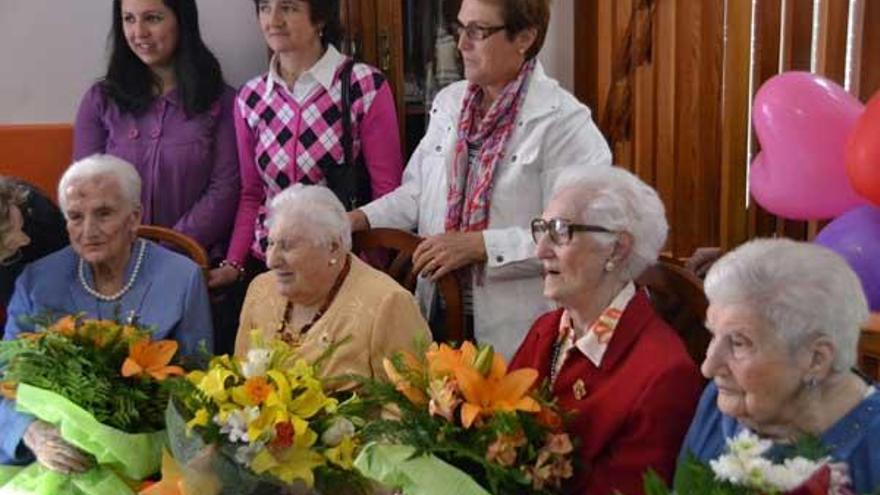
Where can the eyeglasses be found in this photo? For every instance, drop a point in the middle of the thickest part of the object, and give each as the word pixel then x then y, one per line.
pixel 473 31
pixel 560 230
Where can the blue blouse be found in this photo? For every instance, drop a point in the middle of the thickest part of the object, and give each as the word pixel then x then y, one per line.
pixel 854 439
pixel 168 295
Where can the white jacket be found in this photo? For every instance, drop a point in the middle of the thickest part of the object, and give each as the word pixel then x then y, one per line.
pixel 554 131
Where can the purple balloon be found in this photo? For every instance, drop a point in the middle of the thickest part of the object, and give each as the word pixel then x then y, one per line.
pixel 855 235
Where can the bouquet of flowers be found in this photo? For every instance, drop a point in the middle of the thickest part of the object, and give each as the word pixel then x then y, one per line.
pixel 456 421
pixel 98 382
pixel 745 469
pixel 269 419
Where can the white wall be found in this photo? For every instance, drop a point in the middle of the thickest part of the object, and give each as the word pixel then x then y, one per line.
pixel 557 56
pixel 51 51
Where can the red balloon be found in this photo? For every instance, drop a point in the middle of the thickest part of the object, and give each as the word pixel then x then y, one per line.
pixel 863 153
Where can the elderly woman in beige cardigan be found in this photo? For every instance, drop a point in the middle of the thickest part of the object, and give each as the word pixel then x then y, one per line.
pixel 317 293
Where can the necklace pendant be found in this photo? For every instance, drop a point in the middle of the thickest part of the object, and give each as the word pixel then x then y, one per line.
pixel 579 389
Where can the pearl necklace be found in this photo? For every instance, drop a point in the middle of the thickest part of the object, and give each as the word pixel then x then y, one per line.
pixel 124 289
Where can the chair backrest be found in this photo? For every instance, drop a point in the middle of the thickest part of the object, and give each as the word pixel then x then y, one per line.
pixel 37 154
pixel 869 347
pixel 400 246
pixel 178 242
pixel 677 296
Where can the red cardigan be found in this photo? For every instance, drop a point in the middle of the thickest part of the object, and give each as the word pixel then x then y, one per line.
pixel 638 403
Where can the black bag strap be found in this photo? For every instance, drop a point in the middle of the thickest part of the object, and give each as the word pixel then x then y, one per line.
pixel 347 139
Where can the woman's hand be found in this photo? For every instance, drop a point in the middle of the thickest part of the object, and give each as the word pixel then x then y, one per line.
pixel 441 254
pixel 222 276
pixel 52 451
pixel 358 220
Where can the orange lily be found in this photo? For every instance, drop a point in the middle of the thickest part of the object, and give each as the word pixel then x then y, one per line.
pixel 151 358
pixel 497 391
pixel 444 360
pixel 8 390
pixel 184 480
pixel 400 379
pixel 65 326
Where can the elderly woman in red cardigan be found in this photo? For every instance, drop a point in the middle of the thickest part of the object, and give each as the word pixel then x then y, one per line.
pixel 609 358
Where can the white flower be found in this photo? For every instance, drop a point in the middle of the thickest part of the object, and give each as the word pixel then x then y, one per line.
pixel 257 363
pixel 337 432
pixel 748 445
pixel 245 454
pixel 236 425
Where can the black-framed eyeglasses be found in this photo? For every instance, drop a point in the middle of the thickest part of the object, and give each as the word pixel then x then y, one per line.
pixel 561 230
pixel 473 31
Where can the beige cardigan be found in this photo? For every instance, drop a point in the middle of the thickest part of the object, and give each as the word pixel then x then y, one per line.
pixel 380 316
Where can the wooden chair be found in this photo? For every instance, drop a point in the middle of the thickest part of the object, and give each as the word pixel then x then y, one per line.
pixel 869 347
pixel 677 296
pixel 398 266
pixel 178 242
pixel 38 154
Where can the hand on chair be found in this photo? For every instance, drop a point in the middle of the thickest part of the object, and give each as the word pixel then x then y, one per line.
pixel 443 253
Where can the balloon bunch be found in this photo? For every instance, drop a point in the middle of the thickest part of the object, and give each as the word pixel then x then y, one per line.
pixel 820 159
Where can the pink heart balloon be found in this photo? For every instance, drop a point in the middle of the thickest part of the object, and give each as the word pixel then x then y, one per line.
pixel 802 121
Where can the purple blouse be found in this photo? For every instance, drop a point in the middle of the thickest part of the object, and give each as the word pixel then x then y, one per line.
pixel 188 165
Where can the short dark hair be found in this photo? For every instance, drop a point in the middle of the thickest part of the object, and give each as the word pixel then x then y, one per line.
pixel 12 193
pixel 129 83
pixel 525 14
pixel 324 12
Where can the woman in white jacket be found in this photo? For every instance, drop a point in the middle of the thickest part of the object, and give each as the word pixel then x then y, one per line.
pixel 495 145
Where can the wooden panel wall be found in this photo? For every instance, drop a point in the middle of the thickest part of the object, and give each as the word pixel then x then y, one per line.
pixel 671 82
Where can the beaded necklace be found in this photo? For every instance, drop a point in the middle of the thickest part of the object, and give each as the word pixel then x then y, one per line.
pixel 288 309
pixel 112 297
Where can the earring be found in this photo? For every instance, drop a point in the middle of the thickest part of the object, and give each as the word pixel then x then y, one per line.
pixel 609 266
pixel 812 382
pixel 333 261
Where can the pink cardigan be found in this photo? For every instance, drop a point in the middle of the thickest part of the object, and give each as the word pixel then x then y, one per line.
pixel 376 135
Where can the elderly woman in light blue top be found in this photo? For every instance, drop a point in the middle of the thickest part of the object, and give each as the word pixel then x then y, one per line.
pixel 108 273
pixel 785 320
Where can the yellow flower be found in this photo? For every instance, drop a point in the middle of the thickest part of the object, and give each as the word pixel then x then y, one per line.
pixel 214 384
pixel 201 418
pixel 343 454
pixel 297 462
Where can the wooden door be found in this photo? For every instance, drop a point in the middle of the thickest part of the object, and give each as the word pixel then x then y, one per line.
pixel 374 35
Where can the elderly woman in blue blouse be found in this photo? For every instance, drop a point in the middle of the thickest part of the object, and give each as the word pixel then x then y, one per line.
pixel 785 320
pixel 106 272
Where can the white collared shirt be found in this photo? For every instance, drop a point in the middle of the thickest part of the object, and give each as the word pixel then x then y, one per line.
pixel 593 341
pixel 320 74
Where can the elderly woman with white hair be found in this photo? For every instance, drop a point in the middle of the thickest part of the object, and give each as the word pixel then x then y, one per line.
pixel 105 273
pixel 318 294
pixel 608 357
pixel 785 320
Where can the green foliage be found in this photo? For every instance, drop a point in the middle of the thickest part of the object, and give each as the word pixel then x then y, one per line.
pixel 463 448
pixel 87 375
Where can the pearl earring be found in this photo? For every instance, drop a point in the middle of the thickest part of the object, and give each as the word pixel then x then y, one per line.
pixel 332 261
pixel 609 266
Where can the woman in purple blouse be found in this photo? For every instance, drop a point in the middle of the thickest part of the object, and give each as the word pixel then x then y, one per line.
pixel 164 107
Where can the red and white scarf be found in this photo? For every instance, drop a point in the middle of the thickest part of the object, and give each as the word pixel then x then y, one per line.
pixel 467 202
